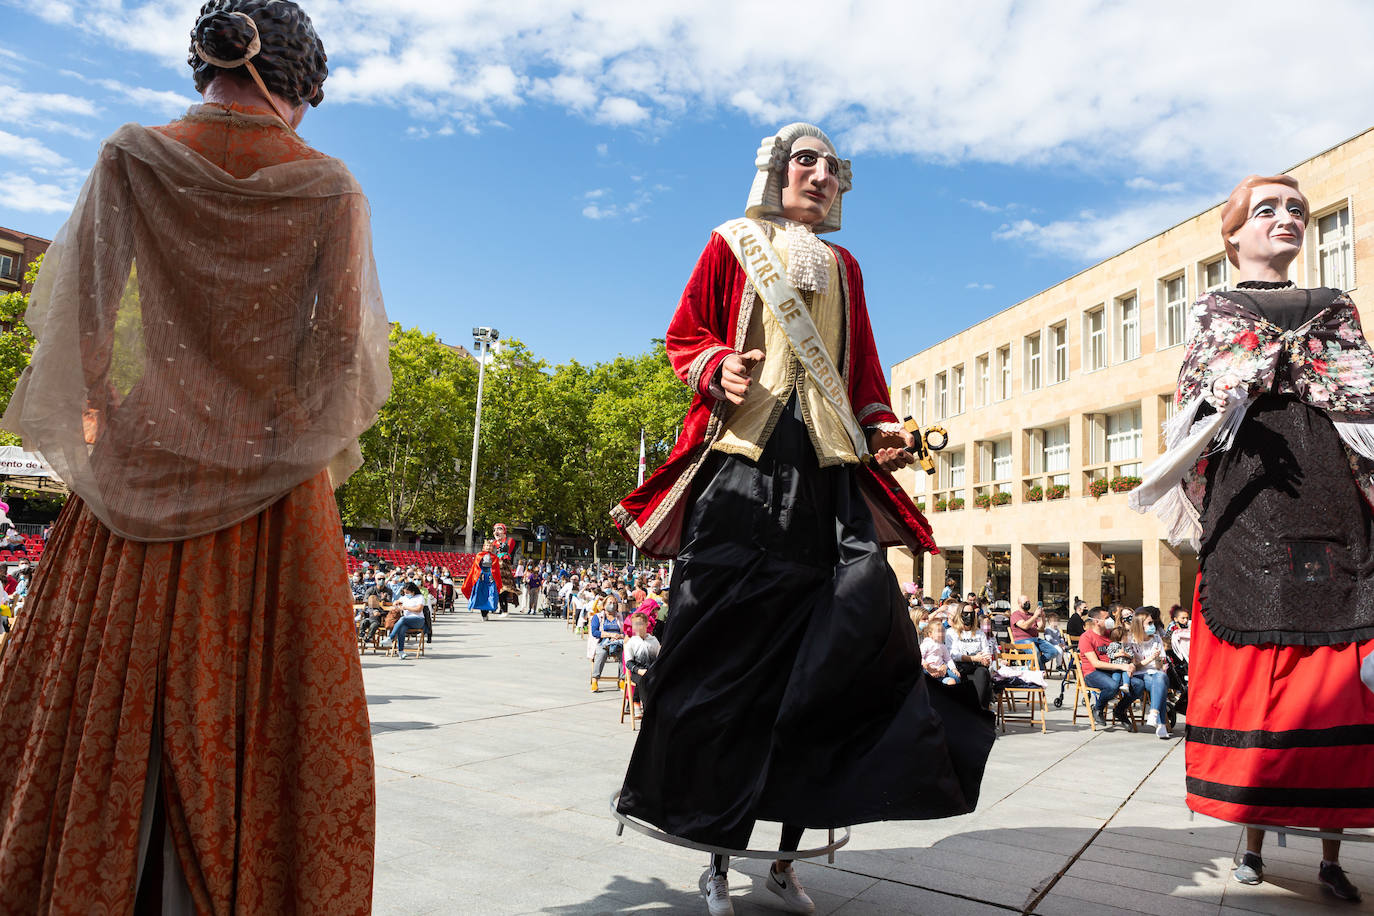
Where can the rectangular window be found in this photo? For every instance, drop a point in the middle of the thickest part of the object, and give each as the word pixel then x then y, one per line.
pixel 1124 439
pixel 921 403
pixel 1001 459
pixel 1174 308
pixel 1216 273
pixel 1128 327
pixel 958 390
pixel 1003 373
pixel 7 266
pixel 941 396
pixel 906 402
pixel 1055 456
pixel 1033 362
pixel 1095 339
pixel 1334 253
pixel 1059 352
pixel 955 466
pixel 984 380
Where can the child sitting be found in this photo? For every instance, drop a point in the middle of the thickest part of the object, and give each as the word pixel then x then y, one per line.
pixel 1118 653
pixel 935 654
pixel 1055 637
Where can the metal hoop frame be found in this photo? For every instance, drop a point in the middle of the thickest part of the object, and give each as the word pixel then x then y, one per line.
pixel 1310 833
pixel 649 830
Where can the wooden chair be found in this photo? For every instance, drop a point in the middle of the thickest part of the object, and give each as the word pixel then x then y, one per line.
pixel 1136 710
pixel 1081 689
pixel 1007 697
pixel 419 637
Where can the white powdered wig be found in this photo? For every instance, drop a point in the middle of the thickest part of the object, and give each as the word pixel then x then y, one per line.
pixel 765 197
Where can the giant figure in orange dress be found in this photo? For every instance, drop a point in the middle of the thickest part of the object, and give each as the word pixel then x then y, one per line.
pixel 185 726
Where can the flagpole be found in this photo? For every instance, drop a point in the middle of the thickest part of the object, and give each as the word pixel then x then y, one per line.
pixel 634 550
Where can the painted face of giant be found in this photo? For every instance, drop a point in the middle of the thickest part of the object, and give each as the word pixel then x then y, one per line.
pixel 812 181
pixel 1273 229
pixel 499 531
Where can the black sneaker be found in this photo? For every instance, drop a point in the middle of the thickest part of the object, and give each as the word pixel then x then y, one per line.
pixel 1123 715
pixel 1332 877
pixel 1098 718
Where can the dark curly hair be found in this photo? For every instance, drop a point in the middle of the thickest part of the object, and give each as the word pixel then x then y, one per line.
pixel 292 59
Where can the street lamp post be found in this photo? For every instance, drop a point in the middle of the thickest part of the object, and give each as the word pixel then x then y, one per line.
pixel 482 337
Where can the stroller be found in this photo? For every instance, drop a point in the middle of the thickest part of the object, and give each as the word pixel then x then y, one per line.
pixel 1178 684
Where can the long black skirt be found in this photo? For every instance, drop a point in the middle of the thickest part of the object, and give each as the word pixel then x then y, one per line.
pixel 789 687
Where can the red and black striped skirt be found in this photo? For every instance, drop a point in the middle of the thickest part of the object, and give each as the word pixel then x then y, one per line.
pixel 1280 735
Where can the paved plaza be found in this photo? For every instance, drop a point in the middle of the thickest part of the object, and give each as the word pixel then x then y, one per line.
pixel 495 765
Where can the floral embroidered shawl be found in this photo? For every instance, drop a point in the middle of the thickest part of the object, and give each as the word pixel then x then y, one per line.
pixel 1233 357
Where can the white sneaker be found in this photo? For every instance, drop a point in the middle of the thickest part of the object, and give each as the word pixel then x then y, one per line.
pixel 386 642
pixel 1152 718
pixel 718 896
pixel 1162 730
pixel 403 655
pixel 789 890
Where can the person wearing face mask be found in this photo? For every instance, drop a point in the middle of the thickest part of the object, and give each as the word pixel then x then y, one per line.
pixel 1098 669
pixel 1026 621
pixel 1268 473
pixel 973 651
pixel 778 502
pixel 1147 649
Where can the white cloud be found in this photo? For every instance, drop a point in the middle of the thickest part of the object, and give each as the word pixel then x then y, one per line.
pixel 602 149
pixel 24 194
pixel 602 203
pixel 978 286
pixel 159 100
pixel 21 106
pixel 982 205
pixel 1147 184
pixel 1090 236
pixel 997 81
pixel 619 110
pixel 28 150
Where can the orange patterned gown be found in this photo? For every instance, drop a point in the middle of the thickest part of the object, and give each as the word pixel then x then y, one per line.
pixel 235 653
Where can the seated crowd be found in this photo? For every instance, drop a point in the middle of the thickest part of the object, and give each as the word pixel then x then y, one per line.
pixel 1126 654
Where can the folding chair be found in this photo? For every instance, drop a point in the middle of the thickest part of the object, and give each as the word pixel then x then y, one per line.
pixel 1025 657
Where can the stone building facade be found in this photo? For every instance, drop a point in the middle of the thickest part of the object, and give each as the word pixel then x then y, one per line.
pixel 1066 392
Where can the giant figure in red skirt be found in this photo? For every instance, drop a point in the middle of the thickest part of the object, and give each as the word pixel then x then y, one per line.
pixel 1268 473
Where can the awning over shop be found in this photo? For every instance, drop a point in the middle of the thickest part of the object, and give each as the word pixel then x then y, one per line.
pixel 15 462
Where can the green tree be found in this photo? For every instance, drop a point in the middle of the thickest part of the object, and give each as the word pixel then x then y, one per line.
pixel 408 473
pixel 16 342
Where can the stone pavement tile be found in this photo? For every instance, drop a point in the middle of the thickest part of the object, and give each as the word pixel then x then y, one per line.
pixel 1284 896
pixel 1104 894
pixel 1009 887
pixel 1056 905
pixel 1136 872
pixel 887 897
pixel 1175 861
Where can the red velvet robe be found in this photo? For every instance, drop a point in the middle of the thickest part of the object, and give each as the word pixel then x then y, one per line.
pixel 713 314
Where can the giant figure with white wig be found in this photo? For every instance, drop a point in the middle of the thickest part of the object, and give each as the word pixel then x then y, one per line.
pixel 789 687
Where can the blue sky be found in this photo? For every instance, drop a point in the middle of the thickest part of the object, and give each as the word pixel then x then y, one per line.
pixel 553 167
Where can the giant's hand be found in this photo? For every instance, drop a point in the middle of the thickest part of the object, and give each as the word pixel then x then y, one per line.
pixel 890 448
pixel 734 374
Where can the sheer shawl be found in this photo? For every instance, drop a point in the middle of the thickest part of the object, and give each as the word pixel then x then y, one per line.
pixel 205 343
